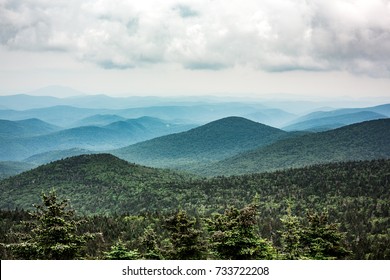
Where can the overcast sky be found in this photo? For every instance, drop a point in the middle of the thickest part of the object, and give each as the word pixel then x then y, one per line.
pixel 247 47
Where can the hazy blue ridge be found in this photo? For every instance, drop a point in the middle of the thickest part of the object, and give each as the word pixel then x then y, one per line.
pixel 328 123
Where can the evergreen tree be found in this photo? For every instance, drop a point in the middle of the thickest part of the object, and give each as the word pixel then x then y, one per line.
pixel 323 238
pixel 120 252
pixel 149 240
pixel 316 239
pixel 53 234
pixel 185 238
pixel 234 235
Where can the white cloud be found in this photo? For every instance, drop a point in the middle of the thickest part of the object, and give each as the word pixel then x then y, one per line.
pixel 271 35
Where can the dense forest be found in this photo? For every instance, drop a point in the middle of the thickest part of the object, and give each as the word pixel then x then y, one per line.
pixel 130 211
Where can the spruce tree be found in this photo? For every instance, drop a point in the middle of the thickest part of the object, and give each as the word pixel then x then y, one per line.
pixel 234 235
pixel 185 238
pixel 53 234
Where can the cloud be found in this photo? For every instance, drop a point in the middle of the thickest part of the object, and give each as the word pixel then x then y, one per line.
pixel 270 35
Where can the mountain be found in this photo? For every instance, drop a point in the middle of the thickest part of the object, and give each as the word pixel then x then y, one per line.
pixel 207 143
pixel 380 109
pixel 68 112
pixel 328 123
pixel 25 128
pixel 11 168
pixel 362 141
pixel 93 138
pixel 99 183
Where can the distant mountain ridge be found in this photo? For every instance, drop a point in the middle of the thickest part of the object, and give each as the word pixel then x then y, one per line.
pixel 25 128
pixel 383 109
pixel 94 138
pixel 332 122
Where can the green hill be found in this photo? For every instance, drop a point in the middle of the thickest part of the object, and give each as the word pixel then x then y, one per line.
pixel 362 141
pixel 99 183
pixel 207 143
pixel 355 194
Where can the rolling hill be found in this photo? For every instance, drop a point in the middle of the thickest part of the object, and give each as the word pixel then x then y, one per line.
pixel 354 194
pixel 98 183
pixel 207 143
pixel 362 141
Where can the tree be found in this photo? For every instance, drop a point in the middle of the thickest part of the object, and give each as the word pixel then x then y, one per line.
pixel 120 252
pixel 315 239
pixel 323 238
pixel 53 234
pixel 149 240
pixel 186 240
pixel 234 235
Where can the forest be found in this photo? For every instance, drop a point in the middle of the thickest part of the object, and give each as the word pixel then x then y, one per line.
pixel 118 210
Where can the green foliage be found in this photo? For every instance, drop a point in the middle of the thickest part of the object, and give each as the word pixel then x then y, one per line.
pixel 53 233
pixel 234 235
pixel 120 252
pixel 317 239
pixel 151 245
pixel 185 238
pixel 121 197
pixel 323 238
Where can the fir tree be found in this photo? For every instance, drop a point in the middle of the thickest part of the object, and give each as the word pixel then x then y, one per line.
pixel 53 234
pixel 234 235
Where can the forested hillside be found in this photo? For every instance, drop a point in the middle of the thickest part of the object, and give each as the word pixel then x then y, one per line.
pixel 355 194
pixel 208 143
pixel 361 141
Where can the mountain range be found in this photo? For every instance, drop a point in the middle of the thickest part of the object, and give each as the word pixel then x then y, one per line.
pixel 96 138
pixel 197 136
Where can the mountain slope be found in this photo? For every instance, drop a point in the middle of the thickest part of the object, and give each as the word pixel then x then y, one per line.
pixel 366 140
pixel 98 183
pixel 210 142
pixel 327 123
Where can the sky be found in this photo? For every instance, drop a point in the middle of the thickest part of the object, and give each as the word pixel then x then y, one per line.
pixel 197 47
